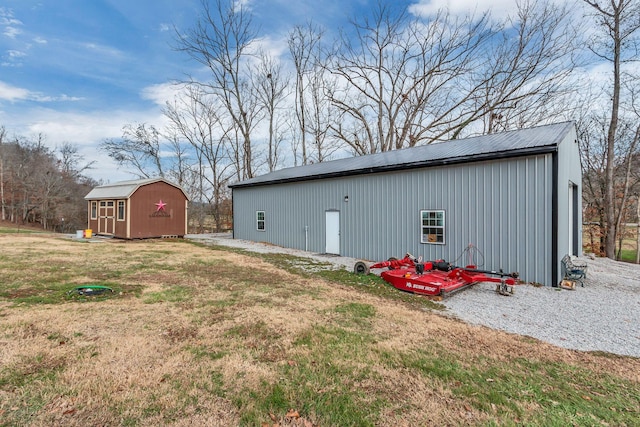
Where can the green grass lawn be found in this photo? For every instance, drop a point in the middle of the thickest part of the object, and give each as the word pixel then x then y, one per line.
pixel 628 255
pixel 198 335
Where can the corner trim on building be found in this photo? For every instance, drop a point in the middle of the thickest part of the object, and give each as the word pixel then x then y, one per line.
pixel 554 219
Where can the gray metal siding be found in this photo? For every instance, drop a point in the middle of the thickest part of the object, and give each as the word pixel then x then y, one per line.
pixel 502 207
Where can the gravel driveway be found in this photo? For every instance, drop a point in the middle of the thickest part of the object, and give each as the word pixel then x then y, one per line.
pixel 603 315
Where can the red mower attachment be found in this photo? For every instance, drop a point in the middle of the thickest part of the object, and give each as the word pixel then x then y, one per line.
pixel 437 278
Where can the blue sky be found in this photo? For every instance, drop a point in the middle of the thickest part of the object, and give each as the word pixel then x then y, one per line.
pixel 76 71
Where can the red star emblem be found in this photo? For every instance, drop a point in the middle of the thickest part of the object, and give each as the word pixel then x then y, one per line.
pixel 160 206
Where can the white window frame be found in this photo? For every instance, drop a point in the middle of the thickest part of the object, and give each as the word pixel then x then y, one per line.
pixel 94 209
pixel 262 221
pixel 124 211
pixel 435 228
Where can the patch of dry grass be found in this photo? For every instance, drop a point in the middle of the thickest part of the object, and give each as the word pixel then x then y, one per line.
pixel 200 336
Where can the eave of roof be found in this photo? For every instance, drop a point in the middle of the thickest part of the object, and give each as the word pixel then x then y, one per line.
pixel 525 142
pixel 124 189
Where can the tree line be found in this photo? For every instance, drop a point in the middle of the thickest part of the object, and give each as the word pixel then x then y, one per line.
pixel 42 186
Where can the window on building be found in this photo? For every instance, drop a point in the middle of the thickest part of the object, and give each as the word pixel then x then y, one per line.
pixel 94 210
pixel 120 210
pixel 260 222
pixel 432 226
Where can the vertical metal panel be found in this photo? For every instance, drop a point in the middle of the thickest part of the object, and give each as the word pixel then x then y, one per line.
pixel 501 207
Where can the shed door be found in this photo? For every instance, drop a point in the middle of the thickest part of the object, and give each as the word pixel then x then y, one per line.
pixel 332 230
pixel 107 218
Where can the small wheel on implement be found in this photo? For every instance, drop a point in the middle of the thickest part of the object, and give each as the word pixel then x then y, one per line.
pixel 392 259
pixel 361 268
pixel 504 289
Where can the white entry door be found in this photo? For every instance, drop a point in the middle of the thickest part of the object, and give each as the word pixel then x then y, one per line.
pixel 570 228
pixel 332 223
pixel 574 223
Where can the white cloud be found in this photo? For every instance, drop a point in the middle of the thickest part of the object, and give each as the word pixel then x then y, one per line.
pixel 16 54
pixel 10 23
pixel 274 48
pixel 74 127
pixel 6 17
pixel 60 98
pixel 499 9
pixel 161 93
pixel 11 32
pixel 244 4
pixel 40 40
pixel 12 93
pixel 103 51
pixel 13 58
pixel 84 130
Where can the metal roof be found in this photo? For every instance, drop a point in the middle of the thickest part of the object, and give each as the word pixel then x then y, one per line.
pixel 536 140
pixel 124 189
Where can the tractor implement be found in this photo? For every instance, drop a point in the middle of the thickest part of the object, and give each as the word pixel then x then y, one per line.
pixel 437 278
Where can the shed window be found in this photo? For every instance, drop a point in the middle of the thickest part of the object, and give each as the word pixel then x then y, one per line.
pixel 120 210
pixel 260 222
pixel 94 210
pixel 432 226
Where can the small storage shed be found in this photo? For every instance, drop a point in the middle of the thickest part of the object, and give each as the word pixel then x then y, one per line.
pixel 515 196
pixel 139 209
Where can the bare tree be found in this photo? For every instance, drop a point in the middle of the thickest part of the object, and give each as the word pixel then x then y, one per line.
pixel 221 41
pixel 399 79
pixel 638 230
pixel 270 85
pixel 3 213
pixel 196 117
pixel 407 81
pixel 313 84
pixel 619 21
pixel 626 182
pixel 38 186
pixel 139 149
pixel 322 115
pixel 35 183
pixel 304 48
pixel 34 164
pixel 70 161
pixel 526 80
pixel 181 167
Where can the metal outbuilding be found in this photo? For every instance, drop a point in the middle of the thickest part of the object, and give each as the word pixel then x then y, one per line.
pixel 515 196
pixel 138 209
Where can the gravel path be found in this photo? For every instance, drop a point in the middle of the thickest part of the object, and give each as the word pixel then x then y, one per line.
pixel 603 315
